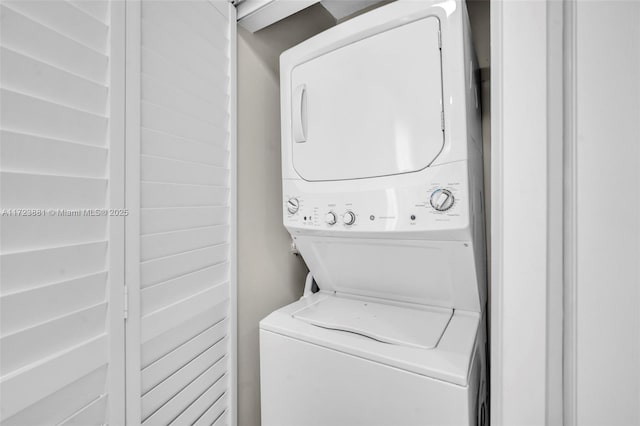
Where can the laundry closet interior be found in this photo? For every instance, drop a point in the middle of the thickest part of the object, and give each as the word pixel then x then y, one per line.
pixel 269 276
pixel 143 141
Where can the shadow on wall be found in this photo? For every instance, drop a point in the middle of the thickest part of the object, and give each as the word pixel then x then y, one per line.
pixel 268 43
pixel 269 276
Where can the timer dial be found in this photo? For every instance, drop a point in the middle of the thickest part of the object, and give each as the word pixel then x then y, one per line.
pixel 442 199
pixel 293 205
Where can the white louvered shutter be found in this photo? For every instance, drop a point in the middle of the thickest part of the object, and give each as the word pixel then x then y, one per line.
pixel 61 148
pixel 180 180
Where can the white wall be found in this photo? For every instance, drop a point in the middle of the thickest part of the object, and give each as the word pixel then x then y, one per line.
pixel 603 203
pixel 526 280
pixel 566 213
pixel 269 277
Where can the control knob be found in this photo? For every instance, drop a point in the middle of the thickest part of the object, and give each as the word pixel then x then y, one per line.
pixel 442 199
pixel 349 218
pixel 293 205
pixel 331 218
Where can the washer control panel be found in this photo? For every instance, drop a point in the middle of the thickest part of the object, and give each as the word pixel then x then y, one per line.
pixel 438 202
pixel 397 209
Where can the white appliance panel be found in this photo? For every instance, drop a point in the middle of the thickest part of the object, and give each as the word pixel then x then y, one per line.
pixel 399 324
pixel 449 361
pixel 384 206
pixel 370 108
pixel 309 385
pixel 435 273
pixel 387 206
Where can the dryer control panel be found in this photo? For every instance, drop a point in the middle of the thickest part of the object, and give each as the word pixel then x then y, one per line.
pixel 439 202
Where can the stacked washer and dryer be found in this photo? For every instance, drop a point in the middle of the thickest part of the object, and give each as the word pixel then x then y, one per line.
pixel 383 196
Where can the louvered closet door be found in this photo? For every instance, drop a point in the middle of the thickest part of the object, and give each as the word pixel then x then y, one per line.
pixel 180 181
pixel 62 269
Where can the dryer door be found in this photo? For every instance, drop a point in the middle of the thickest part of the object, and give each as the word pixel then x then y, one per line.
pixel 370 108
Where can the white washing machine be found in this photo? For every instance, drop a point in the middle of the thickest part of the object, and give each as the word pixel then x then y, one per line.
pixel 382 186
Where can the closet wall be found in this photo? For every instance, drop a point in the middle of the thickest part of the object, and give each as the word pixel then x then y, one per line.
pixel 269 276
pixel 602 244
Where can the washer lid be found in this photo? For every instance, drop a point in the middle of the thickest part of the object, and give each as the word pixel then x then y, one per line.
pixel 419 327
pixel 370 108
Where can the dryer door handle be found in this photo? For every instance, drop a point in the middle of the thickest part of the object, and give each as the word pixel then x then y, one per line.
pixel 299 115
